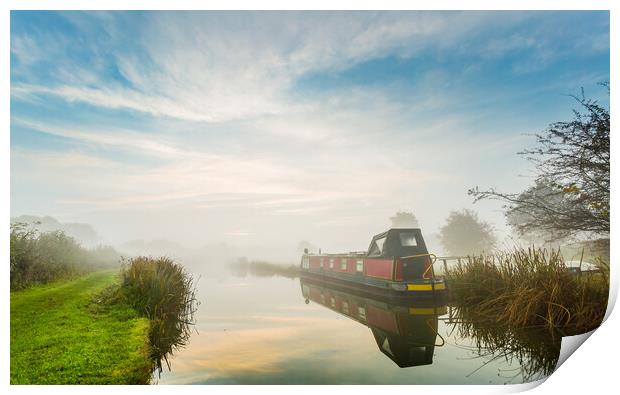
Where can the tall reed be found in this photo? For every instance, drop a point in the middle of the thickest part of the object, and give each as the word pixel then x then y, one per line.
pixel 530 287
pixel 164 292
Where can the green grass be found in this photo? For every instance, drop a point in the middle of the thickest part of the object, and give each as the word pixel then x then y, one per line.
pixel 63 333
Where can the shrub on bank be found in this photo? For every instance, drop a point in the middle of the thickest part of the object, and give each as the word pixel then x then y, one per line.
pixel 37 258
pixel 164 292
pixel 530 287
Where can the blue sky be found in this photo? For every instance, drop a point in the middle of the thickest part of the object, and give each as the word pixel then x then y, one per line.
pixel 271 127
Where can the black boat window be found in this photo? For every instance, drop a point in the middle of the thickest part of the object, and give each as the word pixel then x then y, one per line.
pixel 407 239
pixel 377 246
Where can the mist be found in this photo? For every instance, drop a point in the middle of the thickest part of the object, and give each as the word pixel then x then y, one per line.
pixel 286 133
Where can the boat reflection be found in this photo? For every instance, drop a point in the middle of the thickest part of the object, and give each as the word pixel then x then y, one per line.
pixel 405 332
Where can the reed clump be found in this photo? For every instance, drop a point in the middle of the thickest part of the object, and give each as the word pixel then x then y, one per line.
pixel 164 292
pixel 530 288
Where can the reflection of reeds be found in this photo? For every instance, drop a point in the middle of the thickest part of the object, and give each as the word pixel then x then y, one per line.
pixel 163 291
pixel 535 349
pixel 530 287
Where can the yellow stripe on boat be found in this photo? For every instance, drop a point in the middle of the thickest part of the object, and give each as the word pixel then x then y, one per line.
pixel 425 287
pixel 428 310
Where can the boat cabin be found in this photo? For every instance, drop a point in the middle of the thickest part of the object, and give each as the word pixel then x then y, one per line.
pixel 397 243
pixel 396 260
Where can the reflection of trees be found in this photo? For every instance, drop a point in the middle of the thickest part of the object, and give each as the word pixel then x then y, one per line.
pixel 536 350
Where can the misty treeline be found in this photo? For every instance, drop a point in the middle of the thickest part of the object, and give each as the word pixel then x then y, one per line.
pixel 242 267
pixel 569 198
pixel 462 233
pixel 39 257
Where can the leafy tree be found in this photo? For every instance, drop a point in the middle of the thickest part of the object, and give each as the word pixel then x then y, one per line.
pixel 403 219
pixel 570 195
pixel 464 233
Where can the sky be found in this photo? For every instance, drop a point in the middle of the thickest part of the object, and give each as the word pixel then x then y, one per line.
pixel 268 128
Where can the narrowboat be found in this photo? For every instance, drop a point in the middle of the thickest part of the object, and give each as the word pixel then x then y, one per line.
pixel 397 265
pixel 405 332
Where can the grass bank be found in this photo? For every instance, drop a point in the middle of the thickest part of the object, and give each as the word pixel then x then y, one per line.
pixel 61 334
pixel 530 288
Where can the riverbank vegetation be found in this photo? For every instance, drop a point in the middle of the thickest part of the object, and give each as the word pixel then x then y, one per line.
pixel 568 202
pixel 104 327
pixel 161 290
pixel 38 258
pixel 530 288
pixel 69 332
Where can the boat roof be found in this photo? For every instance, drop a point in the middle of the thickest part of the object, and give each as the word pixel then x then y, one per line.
pixel 396 230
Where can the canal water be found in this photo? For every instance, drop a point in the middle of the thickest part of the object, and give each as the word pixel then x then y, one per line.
pixel 277 330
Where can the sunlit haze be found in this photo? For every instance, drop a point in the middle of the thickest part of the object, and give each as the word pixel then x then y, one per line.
pixel 263 129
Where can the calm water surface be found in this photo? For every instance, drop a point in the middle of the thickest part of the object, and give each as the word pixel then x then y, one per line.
pixel 275 330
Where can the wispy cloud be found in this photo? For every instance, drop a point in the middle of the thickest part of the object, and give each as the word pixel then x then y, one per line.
pixel 308 120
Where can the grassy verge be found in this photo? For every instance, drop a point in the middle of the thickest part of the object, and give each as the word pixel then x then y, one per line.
pixel 61 335
pixel 530 288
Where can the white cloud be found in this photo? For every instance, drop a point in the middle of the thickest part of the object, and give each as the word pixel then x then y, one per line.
pixel 220 67
pixel 237 148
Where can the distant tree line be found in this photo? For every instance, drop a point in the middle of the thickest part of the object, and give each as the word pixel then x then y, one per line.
pixel 39 257
pixel 242 268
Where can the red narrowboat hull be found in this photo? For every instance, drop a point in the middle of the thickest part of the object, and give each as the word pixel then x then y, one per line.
pixel 397 264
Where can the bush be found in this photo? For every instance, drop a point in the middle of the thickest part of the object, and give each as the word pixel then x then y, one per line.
pixel 164 292
pixel 38 258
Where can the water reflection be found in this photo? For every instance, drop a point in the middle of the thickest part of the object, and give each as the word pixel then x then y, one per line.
pixel 167 335
pixel 258 330
pixel 535 350
pixel 406 333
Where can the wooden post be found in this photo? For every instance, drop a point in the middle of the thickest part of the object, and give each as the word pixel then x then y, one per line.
pixel 445 267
